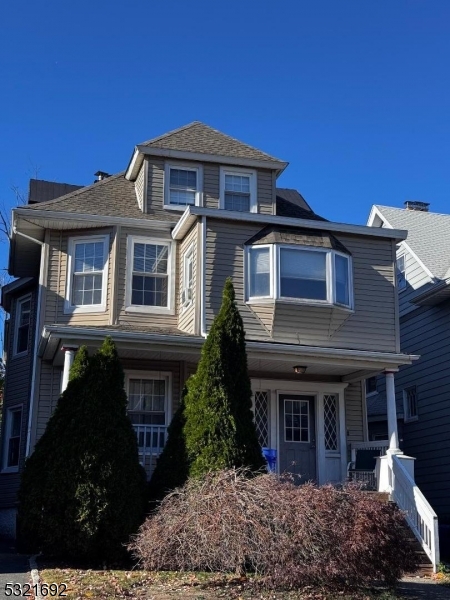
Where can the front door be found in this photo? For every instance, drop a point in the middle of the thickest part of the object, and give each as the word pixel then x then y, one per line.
pixel 297 436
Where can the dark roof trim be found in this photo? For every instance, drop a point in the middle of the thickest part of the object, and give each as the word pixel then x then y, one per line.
pixel 12 289
pixel 298 236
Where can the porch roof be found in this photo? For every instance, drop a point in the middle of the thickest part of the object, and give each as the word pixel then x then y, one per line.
pixel 263 357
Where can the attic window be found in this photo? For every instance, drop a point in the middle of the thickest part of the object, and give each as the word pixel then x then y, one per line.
pixel 238 190
pixel 182 186
pixel 299 274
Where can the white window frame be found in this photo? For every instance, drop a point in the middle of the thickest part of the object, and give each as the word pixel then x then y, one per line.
pixel 253 186
pixel 401 282
pixel 19 303
pixel 407 417
pixel 70 308
pixel 160 375
pixel 308 441
pixel 183 167
pixel 186 290
pixel 275 281
pixel 164 310
pixel 7 437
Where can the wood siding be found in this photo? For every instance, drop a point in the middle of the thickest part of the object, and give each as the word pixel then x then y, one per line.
pixel 372 325
pixel 354 419
pixel 426 331
pixel 57 281
pixel 17 392
pixel 186 314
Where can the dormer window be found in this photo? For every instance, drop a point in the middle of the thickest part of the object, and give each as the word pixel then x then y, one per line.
pixel 238 190
pixel 307 275
pixel 182 186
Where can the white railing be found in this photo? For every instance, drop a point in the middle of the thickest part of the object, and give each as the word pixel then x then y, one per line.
pixel 420 516
pixel 151 440
pixel 366 478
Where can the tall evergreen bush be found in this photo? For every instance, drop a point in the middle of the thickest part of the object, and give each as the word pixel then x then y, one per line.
pixel 82 489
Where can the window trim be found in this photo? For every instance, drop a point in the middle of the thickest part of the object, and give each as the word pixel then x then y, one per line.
pixel 166 375
pixel 406 417
pixel 275 281
pixel 70 308
pixel 7 435
pixel 183 166
pixel 397 271
pixel 252 173
pixel 134 308
pixel 188 257
pixel 308 441
pixel 19 303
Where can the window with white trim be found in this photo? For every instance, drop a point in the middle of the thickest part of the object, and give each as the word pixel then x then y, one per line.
pixel 13 425
pixel 238 190
pixel 182 185
pixel 147 400
pixel 401 272
pixel 22 325
pixel 299 274
pixel 149 275
pixel 87 275
pixel 187 292
pixel 410 403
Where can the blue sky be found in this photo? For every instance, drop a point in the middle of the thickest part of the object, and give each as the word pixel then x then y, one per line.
pixel 354 94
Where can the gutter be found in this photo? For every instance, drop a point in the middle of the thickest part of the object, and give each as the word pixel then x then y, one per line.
pixel 192 212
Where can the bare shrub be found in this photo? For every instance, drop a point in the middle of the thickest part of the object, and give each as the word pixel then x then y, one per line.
pixel 290 535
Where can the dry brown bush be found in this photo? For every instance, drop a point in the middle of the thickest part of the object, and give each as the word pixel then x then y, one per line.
pixel 292 536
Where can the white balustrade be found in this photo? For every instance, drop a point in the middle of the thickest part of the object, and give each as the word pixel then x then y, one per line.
pixel 151 441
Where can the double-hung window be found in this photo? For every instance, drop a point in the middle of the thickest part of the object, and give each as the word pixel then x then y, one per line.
pixel 182 185
pixel 150 275
pixel 410 403
pixel 13 426
pixel 87 274
pixel 299 274
pixel 238 190
pixel 401 272
pixel 22 325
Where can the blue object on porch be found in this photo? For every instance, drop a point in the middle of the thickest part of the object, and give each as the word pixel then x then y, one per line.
pixel 270 454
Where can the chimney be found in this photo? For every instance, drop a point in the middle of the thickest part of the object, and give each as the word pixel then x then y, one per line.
pixel 101 175
pixel 416 205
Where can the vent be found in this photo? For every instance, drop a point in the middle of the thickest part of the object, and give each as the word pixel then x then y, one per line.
pixel 416 205
pixel 101 175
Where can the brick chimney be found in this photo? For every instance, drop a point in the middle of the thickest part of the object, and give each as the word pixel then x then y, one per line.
pixel 416 205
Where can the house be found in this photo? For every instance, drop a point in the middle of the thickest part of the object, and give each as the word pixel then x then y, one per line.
pixel 143 256
pixel 422 388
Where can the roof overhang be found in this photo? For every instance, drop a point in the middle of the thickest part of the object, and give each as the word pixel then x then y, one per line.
pixel 193 212
pixel 140 152
pixel 437 293
pixel 13 288
pixel 351 364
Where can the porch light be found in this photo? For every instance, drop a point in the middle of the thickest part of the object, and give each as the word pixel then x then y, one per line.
pixel 299 370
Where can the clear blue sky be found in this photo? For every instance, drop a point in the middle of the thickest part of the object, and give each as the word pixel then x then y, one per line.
pixel 354 94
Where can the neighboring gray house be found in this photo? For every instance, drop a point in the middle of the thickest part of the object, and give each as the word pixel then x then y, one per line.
pixel 422 388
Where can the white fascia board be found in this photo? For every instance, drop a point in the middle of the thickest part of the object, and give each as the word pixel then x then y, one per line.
pixel 134 165
pixel 275 165
pixel 228 215
pixel 29 215
pixel 376 214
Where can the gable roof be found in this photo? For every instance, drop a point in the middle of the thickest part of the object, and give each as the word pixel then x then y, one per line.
pixel 428 236
pixel 41 190
pixel 114 196
pixel 203 139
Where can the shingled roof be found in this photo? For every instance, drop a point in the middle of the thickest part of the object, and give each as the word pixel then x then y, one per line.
pixel 111 197
pixel 202 139
pixel 290 203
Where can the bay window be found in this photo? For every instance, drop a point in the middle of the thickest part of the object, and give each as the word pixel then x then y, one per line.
pixel 299 274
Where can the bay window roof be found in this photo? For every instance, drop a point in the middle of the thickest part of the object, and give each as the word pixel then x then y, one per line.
pixel 273 234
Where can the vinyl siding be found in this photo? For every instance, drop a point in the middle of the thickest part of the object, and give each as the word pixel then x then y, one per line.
pixel 186 315
pixel 155 185
pixel 140 318
pixel 415 279
pixel 372 326
pixel 17 393
pixel 354 419
pixel 139 186
pixel 426 332
pixel 57 280
pixel 266 192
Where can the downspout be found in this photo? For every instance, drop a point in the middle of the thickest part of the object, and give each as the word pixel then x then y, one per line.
pixel 36 332
pixel 203 280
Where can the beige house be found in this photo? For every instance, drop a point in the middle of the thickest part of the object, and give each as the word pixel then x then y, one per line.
pixel 143 256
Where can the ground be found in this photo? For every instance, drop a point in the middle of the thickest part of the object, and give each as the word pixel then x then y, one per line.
pixel 143 585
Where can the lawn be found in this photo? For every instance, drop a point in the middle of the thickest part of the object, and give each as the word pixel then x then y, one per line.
pixel 110 584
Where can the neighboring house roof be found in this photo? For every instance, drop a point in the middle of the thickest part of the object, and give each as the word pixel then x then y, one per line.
pixel 114 196
pixel 42 191
pixel 428 236
pixel 202 139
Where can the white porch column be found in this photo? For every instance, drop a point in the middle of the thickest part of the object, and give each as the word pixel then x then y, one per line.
pixel 69 355
pixel 392 412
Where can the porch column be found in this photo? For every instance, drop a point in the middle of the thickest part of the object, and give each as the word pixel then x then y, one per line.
pixel 391 411
pixel 69 355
